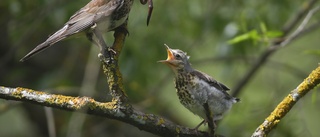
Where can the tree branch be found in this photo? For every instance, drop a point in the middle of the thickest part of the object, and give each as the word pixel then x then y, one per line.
pixel 296 19
pixel 285 40
pixel 287 103
pixel 112 110
pixel 111 67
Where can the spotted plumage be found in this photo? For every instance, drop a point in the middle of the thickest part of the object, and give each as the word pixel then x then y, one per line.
pixel 196 89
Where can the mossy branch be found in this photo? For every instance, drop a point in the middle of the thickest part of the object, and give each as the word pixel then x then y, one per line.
pixel 287 103
pixel 111 67
pixel 125 113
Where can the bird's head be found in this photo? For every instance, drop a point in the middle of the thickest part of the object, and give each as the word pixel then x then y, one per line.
pixel 177 60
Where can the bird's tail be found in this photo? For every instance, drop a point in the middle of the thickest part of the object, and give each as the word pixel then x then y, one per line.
pixel 36 50
pixel 54 38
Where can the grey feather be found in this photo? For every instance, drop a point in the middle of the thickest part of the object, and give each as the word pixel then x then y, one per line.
pixel 214 83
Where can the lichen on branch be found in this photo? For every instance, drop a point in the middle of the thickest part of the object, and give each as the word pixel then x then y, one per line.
pixel 287 103
pixel 110 65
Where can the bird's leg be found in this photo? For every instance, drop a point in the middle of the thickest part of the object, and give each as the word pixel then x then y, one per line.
pixel 97 39
pixel 202 122
pixel 90 38
pixel 209 118
pixel 214 125
pixel 94 40
pixel 150 5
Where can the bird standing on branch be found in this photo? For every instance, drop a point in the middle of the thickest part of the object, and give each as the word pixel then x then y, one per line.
pixel 197 91
pixel 93 19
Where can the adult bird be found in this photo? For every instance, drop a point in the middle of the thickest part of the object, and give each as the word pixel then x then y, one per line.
pixel 93 19
pixel 197 91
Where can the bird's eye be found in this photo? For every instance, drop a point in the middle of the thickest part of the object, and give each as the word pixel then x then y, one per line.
pixel 177 56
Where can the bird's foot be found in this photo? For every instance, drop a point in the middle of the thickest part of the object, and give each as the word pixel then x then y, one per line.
pixel 103 58
pixel 107 55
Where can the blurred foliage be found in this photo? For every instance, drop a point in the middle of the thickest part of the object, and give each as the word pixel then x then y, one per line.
pixel 222 38
pixel 253 35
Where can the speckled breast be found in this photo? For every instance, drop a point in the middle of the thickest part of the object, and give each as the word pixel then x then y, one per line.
pixel 121 14
pixel 184 88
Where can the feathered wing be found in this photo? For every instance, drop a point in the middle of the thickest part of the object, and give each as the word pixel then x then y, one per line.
pixel 214 83
pixel 82 20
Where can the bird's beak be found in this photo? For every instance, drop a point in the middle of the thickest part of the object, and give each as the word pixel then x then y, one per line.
pixel 169 58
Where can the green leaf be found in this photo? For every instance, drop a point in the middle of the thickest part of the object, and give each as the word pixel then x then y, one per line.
pixel 251 35
pixel 274 34
pixel 263 28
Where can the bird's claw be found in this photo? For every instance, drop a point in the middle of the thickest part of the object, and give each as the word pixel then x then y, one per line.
pixel 110 50
pixel 101 57
pixel 104 58
pixel 107 56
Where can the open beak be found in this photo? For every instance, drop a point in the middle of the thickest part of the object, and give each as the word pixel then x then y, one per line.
pixel 169 58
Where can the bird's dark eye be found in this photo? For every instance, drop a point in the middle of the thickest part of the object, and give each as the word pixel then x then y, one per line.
pixel 177 56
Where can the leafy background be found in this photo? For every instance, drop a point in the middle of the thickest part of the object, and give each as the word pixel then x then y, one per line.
pixel 223 39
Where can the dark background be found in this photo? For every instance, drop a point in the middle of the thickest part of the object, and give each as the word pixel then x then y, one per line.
pixel 201 28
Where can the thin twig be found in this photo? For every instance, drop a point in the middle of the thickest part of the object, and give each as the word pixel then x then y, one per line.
pixel 296 19
pixel 276 45
pixel 301 27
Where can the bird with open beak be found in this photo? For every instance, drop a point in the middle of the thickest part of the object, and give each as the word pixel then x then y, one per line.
pixel 197 91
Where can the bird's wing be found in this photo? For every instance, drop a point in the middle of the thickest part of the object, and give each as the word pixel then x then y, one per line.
pixel 90 14
pixel 212 82
pixel 86 17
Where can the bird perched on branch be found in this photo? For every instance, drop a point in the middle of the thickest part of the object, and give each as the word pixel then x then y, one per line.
pixel 197 91
pixel 93 19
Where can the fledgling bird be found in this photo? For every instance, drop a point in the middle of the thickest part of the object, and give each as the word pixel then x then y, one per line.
pixel 196 90
pixel 93 19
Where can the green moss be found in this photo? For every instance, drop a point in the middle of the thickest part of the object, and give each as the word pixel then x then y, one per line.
pixel 178 130
pixel 160 121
